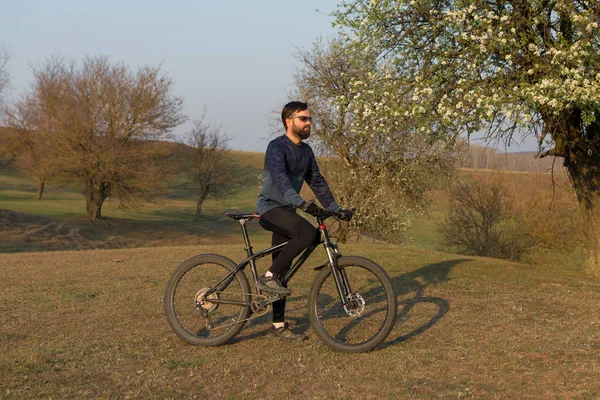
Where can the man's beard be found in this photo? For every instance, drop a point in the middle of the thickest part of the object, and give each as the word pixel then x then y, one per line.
pixel 304 134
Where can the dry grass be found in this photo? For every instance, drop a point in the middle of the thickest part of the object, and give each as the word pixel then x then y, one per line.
pixel 89 324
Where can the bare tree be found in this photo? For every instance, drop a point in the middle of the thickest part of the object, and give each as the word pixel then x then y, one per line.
pixel 102 124
pixel 4 75
pixel 213 169
pixel 481 222
pixel 29 146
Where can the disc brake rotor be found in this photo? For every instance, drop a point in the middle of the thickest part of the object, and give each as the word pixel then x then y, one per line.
pixel 203 301
pixel 355 305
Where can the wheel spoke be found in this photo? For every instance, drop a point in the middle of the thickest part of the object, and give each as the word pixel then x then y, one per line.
pixel 369 313
pixel 186 308
pixel 200 315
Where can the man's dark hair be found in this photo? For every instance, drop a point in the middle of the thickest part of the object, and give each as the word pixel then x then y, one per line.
pixel 290 108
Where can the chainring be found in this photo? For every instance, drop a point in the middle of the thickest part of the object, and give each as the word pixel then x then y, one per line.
pixel 257 304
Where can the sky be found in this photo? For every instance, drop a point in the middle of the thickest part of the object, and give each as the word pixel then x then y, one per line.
pixel 232 58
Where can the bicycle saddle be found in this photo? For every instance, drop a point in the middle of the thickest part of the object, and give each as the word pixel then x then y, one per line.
pixel 238 217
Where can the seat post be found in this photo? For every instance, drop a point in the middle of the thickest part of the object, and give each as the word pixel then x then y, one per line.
pixel 248 247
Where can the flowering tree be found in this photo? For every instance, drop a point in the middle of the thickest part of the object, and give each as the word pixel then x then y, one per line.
pixel 494 65
pixel 377 161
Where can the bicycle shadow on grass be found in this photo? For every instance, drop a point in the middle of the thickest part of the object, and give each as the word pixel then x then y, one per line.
pixel 416 282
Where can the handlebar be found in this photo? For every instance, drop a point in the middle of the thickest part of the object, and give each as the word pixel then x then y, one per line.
pixel 324 214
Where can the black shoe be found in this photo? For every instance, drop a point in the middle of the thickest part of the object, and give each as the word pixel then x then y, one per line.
pixel 272 285
pixel 285 333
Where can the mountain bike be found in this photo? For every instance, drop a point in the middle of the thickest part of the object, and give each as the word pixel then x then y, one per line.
pixel 351 303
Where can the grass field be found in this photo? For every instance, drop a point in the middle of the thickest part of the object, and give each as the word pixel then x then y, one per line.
pixel 90 324
pixel 58 220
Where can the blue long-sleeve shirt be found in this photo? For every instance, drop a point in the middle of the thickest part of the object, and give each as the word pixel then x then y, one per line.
pixel 287 167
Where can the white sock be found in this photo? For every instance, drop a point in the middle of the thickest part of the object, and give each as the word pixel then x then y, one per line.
pixel 278 325
pixel 268 274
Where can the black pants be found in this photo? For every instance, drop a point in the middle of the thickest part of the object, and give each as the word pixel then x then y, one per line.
pixel 286 225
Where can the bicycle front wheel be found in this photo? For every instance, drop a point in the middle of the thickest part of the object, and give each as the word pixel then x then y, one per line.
pixel 198 312
pixel 370 312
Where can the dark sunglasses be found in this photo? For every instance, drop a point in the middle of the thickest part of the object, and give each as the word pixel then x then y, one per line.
pixel 302 118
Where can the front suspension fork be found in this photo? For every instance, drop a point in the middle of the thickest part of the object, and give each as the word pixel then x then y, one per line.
pixel 339 275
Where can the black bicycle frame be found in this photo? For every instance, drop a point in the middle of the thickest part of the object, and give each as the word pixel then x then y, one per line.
pixel 333 253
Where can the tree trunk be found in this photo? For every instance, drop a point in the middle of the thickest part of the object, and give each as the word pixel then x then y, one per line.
pixel 579 145
pixel 94 199
pixel 584 171
pixel 198 209
pixel 201 198
pixel 592 262
pixel 40 189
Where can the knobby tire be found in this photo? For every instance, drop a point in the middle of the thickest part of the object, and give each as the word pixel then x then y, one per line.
pixel 221 322
pixel 363 332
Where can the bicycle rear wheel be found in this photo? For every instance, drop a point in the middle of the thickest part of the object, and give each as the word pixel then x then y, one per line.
pixel 198 316
pixel 372 309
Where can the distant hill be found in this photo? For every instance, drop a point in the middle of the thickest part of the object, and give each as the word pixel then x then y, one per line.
pixel 178 151
pixel 479 157
pixel 476 157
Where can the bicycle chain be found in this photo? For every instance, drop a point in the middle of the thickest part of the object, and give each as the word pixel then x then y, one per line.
pixel 262 307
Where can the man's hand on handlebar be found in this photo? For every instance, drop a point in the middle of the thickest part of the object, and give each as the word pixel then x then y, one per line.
pixel 311 208
pixel 346 215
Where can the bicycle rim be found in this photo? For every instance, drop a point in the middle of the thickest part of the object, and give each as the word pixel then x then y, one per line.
pixel 202 319
pixel 372 312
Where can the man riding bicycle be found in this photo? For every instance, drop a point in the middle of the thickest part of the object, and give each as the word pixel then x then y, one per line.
pixel 288 164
